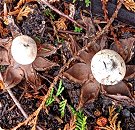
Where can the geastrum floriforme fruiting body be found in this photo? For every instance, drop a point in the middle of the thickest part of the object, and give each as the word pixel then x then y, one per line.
pixel 104 73
pixel 24 60
pixel 108 67
pixel 24 49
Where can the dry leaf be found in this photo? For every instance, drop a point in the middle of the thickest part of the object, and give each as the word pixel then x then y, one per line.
pixel 2 86
pixel 47 50
pixel 86 57
pixel 130 69
pixel 31 75
pixel 74 48
pixel 23 12
pixel 42 64
pixel 61 23
pixel 21 2
pixel 15 31
pixel 126 100
pixel 128 47
pixel 72 124
pixel 3 31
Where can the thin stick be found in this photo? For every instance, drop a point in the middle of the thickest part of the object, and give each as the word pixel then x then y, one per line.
pixel 100 33
pixel 60 13
pixel 118 44
pixel 17 103
pixel 19 106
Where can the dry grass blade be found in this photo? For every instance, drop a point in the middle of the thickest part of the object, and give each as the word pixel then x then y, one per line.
pixel 129 4
pixel 15 12
pixel 8 1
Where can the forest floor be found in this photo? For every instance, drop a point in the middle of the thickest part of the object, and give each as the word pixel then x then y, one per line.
pixel 57 91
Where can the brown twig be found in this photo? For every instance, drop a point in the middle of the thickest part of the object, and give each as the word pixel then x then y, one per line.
pixel 17 103
pixel 64 31
pixel 105 29
pixel 104 3
pixel 60 13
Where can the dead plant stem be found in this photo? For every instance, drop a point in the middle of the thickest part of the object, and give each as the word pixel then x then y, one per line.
pixel 59 12
pixel 17 103
pixel 104 3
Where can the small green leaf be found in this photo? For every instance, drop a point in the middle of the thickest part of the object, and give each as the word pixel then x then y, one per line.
pixel 81 121
pixel 73 110
pixel 62 106
pixel 60 89
pixel 50 99
pixel 77 29
pixel 48 12
pixel 87 3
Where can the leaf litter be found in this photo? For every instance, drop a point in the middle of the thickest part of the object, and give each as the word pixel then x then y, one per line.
pixel 64 57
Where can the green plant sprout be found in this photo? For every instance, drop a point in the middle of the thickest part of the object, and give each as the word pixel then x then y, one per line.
pixel 62 106
pixel 77 29
pixel 51 99
pixel 72 110
pixel 87 2
pixel 81 121
pixel 48 12
pixel 60 89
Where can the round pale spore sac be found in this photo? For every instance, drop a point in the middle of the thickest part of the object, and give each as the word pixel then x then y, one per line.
pixel 24 49
pixel 108 67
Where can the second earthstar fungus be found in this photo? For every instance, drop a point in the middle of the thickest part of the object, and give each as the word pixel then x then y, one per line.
pixel 81 73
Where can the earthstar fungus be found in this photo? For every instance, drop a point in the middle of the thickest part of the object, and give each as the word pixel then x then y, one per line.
pixel 108 67
pixel 24 49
